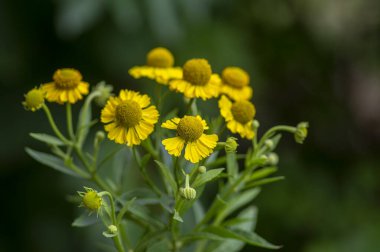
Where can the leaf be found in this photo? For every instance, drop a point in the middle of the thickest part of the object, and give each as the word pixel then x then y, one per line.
pixel 238 201
pixel 276 139
pixel 48 139
pixel 84 220
pixel 199 212
pixel 264 172
pixel 241 235
pixel 124 209
pixel 264 181
pixel 84 120
pixel 167 175
pixel 176 216
pixel 246 220
pixel 140 213
pixel 51 161
pixel 160 246
pixel 206 177
pixel 108 234
pixel 201 236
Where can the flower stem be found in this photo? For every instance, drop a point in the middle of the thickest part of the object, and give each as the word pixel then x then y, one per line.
pixel 54 126
pixel 69 118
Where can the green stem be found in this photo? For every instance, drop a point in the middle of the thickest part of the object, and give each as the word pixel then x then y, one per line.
pixel 69 118
pixel 116 239
pixel 148 146
pixel 273 130
pixel 145 174
pixel 188 107
pixel 54 126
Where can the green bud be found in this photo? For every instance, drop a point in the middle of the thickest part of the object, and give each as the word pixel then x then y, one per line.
pixel 112 229
pixel 301 132
pixel 188 192
pixel 105 92
pixel 269 144
pixel 202 169
pixel 256 124
pixel 272 158
pixel 231 145
pixel 99 137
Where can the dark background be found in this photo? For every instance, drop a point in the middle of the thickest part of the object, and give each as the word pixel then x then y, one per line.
pixel 311 60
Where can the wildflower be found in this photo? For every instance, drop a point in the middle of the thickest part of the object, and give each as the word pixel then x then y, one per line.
pixel 301 132
pixel 190 132
pixel 239 116
pixel 91 200
pixel 197 81
pixel 67 86
pixel 231 144
pixel 129 119
pixel 188 192
pixel 235 84
pixel 105 93
pixel 34 99
pixel 159 66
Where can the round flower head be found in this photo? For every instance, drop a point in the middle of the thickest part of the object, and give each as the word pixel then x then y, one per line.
pixel 239 116
pixel 159 67
pixel 197 81
pixel 190 133
pixel 235 84
pixel 91 200
pixel 34 99
pixel 129 119
pixel 67 86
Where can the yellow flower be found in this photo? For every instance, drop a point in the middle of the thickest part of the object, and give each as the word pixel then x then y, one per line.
pixel 67 86
pixel 34 99
pixel 197 81
pixel 159 67
pixel 190 132
pixel 239 116
pixel 235 84
pixel 129 119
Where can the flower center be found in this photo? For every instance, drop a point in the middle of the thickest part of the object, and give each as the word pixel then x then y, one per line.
pixel 128 114
pixel 243 111
pixel 235 77
pixel 34 98
pixel 160 57
pixel 190 128
pixel 197 72
pixel 67 78
pixel 92 201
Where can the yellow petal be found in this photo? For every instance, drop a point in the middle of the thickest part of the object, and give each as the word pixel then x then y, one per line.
pixel 174 145
pixel 171 124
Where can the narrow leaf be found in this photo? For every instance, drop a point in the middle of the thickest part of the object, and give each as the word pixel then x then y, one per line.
pixel 51 161
pixel 206 177
pixel 48 139
pixel 167 175
pixel 84 220
pixel 264 172
pixel 176 216
pixel 264 181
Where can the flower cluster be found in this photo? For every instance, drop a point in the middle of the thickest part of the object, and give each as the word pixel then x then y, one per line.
pixel 186 145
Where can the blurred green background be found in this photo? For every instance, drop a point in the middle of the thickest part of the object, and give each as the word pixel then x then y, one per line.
pixel 311 60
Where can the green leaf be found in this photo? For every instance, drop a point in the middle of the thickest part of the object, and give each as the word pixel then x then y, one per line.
pixel 238 200
pixel 141 214
pixel 160 246
pixel 201 236
pixel 264 172
pixel 241 235
pixel 84 220
pixel 51 161
pixel 108 234
pixel 206 177
pixel 246 220
pixel 167 175
pixel 264 181
pixel 84 120
pixel 199 212
pixel 48 139
pixel 176 216
pixel 276 139
pixel 124 209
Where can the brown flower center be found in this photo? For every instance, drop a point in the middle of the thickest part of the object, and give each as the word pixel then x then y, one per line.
pixel 197 72
pixel 243 111
pixel 190 128
pixel 235 77
pixel 128 114
pixel 67 78
pixel 160 57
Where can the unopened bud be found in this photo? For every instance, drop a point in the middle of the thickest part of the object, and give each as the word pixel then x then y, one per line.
pixel 91 200
pixel 112 229
pixel 231 144
pixel 269 144
pixel 188 192
pixel 272 158
pixel 256 124
pixel 105 92
pixel 301 132
pixel 202 169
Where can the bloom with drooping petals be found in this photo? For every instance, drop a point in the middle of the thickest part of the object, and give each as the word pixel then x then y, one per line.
pixel 67 86
pixel 235 84
pixel 129 118
pixel 197 80
pixel 239 116
pixel 159 67
pixel 190 132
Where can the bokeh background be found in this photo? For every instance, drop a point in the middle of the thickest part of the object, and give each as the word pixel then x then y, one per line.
pixel 310 60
